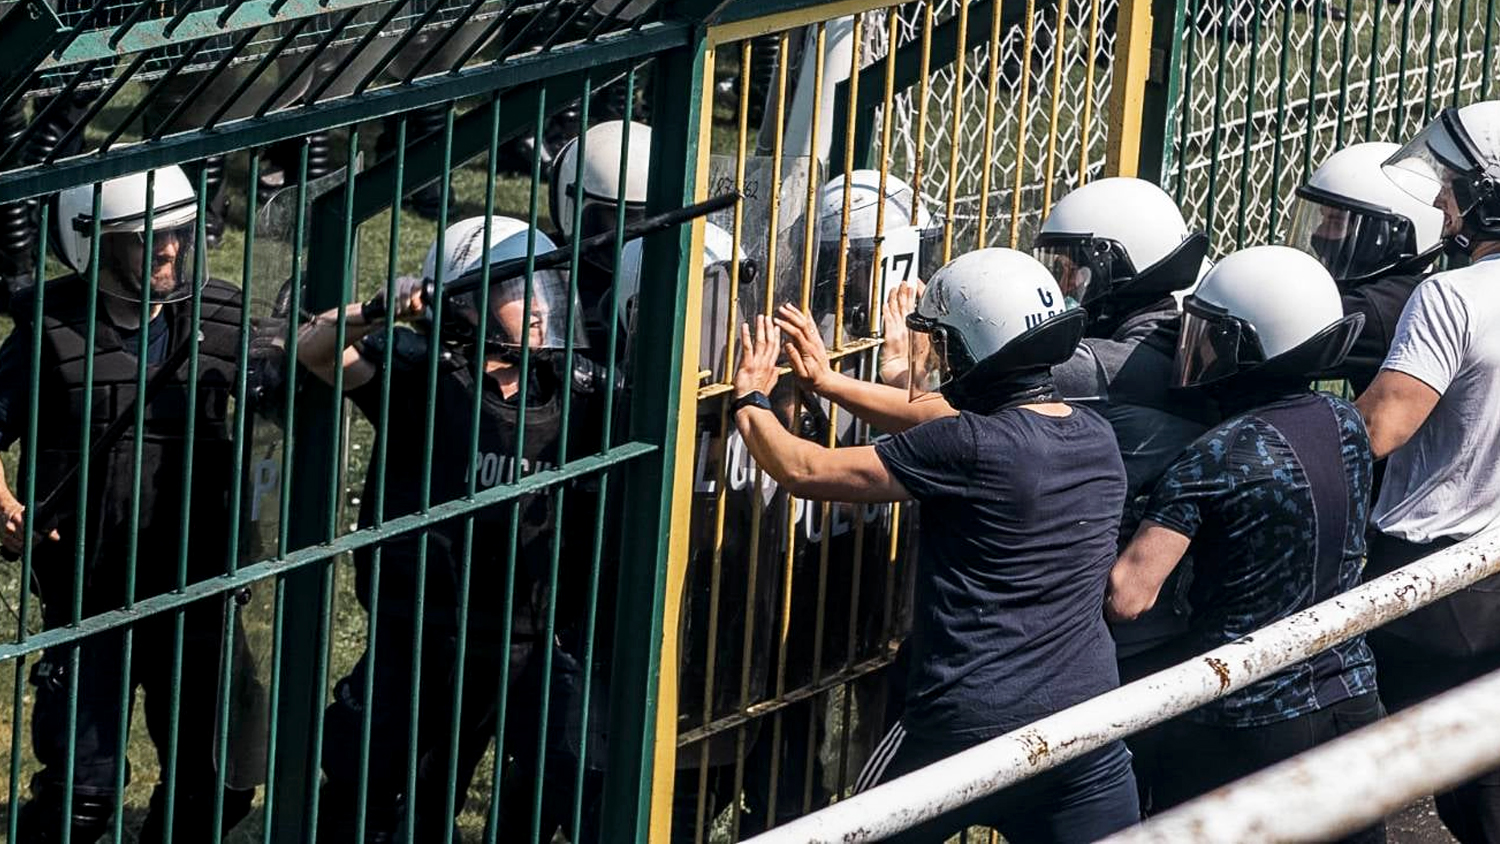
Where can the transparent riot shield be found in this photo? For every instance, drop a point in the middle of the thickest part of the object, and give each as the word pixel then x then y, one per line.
pixel 268 296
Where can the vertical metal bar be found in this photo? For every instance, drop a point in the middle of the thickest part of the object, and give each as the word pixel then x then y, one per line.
pixel 232 545
pixel 1127 96
pixel 1399 126
pixel 1372 77
pixel 1249 127
pixel 1315 62
pixel 80 542
pixel 1344 56
pixel 955 130
pixel 924 80
pixel 1281 96
pixel 992 95
pixel 1086 125
pixel 1023 121
pixel 1489 43
pixel 378 468
pixel 658 490
pixel 1218 124
pixel 28 500
pixel 596 567
pixel 1432 60
pixel 1184 106
pixel 179 620
pixel 1058 51
pixel 1460 51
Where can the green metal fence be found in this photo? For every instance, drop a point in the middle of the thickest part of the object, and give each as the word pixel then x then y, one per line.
pixel 311 130
pixel 266 98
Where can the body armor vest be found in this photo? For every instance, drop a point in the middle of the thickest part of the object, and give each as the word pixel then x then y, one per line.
pixel 64 393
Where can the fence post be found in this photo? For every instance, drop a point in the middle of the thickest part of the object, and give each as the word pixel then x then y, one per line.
pixel 658 489
pixel 1157 117
pixel 1133 32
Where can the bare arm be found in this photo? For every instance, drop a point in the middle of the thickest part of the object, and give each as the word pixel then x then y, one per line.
pixel 1141 569
pixel 887 408
pixel 13 513
pixel 317 341
pixel 805 469
pixel 1394 407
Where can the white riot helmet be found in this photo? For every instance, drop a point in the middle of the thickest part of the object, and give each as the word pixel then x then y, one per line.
pixel 1358 223
pixel 599 184
pixel 718 256
pixel 1272 311
pixel 1457 154
pixel 909 238
pixel 1116 245
pixel 987 315
pixel 463 251
pixel 122 234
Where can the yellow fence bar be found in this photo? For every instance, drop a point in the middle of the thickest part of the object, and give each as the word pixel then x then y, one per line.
pixel 1128 96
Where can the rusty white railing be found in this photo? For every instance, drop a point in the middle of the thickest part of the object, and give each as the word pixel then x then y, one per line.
pixel 987 768
pixel 1348 783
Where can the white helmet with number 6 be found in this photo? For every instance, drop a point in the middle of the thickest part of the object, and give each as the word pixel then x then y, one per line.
pixel 1269 311
pixel 986 315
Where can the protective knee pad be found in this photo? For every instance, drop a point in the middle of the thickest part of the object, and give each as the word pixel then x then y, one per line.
pixel 41 818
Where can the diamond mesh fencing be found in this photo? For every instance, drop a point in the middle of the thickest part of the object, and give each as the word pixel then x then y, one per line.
pixel 1050 116
pixel 1270 90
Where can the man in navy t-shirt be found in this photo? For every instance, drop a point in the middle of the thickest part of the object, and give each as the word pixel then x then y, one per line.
pixel 1273 503
pixel 1022 498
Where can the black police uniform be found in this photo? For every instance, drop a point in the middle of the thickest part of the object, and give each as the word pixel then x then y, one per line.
pixel 401 571
pixel 1381 301
pixel 106 525
pixel 1126 377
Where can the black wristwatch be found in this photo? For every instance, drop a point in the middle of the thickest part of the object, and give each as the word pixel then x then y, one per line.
pixel 754 398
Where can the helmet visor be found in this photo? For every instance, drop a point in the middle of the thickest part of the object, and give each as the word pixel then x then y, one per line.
pixel 1353 243
pixel 870 271
pixel 541 321
pixel 1433 160
pixel 1212 344
pixel 927 358
pixel 1085 267
pixel 169 266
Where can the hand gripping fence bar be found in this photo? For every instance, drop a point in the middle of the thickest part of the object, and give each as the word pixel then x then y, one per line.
pixel 1000 762
pixel 1349 782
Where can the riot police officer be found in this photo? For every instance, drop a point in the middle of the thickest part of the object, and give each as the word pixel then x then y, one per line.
pixel 479 362
pixel 1375 239
pixel 167 279
pixel 1263 322
pixel 1121 248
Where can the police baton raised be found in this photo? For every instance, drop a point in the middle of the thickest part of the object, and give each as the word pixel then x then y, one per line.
pixel 516 267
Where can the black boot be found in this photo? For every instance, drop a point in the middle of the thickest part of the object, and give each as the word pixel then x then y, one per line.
pixel 193 816
pixel 41 818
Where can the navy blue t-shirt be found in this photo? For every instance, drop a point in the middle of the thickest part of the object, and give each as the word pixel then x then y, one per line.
pixel 1242 494
pixel 1016 536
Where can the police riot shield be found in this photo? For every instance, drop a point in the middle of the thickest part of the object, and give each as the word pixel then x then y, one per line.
pixel 268 296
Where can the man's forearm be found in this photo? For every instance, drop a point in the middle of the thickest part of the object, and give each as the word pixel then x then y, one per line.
pixel 317 341
pixel 889 409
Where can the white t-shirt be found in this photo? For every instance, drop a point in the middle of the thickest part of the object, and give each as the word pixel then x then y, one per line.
pixel 1445 482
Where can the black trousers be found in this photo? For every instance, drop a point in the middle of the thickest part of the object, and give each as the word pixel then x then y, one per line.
pixel 1443 645
pixel 99 738
pixel 1198 758
pixel 1079 801
pixel 393 746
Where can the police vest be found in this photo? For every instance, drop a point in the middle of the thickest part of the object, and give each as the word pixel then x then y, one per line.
pixel 66 390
